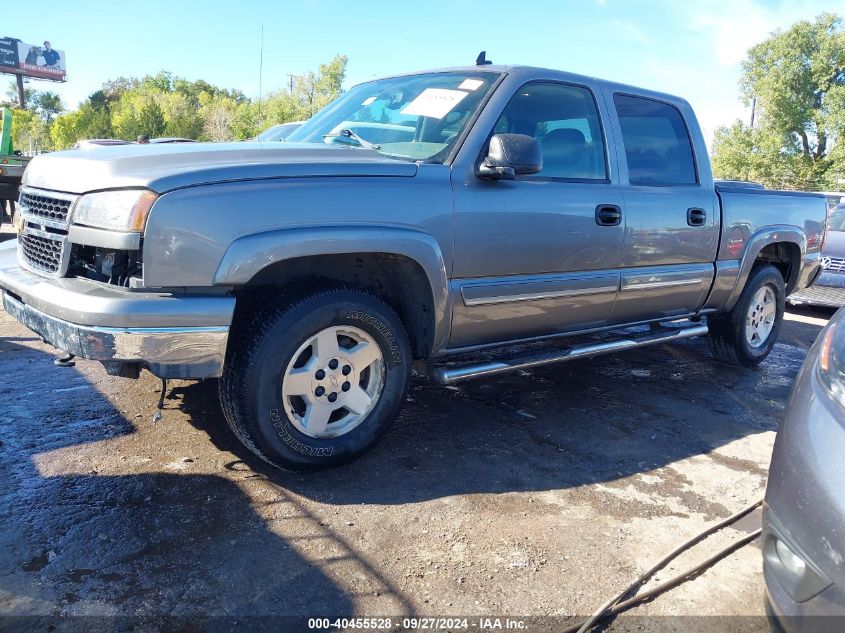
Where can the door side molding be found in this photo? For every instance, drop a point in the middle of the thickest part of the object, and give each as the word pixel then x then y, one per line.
pixel 535 288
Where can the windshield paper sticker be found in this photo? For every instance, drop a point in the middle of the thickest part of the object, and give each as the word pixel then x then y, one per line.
pixel 470 84
pixel 368 101
pixel 434 102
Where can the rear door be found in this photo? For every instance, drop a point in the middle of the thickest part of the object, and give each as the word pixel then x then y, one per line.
pixel 671 210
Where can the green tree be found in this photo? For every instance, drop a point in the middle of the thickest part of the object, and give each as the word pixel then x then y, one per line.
pixel 96 121
pixel 798 80
pixel 150 119
pixel 279 107
pixel 29 96
pixel 65 130
pixel 218 116
pixel 181 115
pixel 48 105
pixel 312 91
pixel 114 88
pixel 86 122
pixel 30 132
pixel 245 123
pixel 137 112
pixel 164 104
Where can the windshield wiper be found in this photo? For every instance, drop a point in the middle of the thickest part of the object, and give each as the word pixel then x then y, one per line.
pixel 347 133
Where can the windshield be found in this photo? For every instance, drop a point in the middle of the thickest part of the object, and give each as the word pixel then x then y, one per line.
pixel 836 220
pixel 417 117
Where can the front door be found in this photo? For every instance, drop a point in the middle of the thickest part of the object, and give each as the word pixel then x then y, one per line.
pixel 534 256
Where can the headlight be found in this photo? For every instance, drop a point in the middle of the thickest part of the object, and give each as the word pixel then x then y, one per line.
pixel 794 571
pixel 124 210
pixel 831 363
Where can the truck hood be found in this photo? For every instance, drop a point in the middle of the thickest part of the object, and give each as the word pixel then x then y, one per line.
pixel 164 167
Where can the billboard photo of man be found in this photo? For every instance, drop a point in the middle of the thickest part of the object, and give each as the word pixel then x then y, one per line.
pixel 51 57
pixel 43 61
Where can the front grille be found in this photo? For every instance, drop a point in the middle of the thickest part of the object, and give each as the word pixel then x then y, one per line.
pixel 836 265
pixel 43 254
pixel 45 206
pixel 43 247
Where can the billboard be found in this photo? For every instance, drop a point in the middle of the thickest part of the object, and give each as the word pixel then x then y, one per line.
pixel 31 60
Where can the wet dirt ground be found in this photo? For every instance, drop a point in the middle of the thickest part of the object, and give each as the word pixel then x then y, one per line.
pixel 537 493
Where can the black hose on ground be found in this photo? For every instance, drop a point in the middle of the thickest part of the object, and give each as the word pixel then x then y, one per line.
pixel 67 361
pixel 160 405
pixel 615 605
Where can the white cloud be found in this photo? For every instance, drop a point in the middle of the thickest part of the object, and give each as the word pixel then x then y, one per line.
pixel 633 31
pixel 734 26
pixel 720 32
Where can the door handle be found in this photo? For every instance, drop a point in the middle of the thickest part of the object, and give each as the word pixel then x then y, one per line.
pixel 608 215
pixel 696 216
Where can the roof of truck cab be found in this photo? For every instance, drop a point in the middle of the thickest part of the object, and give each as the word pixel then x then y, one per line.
pixel 537 72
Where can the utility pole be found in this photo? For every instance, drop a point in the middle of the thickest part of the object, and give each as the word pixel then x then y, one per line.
pixel 753 110
pixel 21 93
pixel 290 78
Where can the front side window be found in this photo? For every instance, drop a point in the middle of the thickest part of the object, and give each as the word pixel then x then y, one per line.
pixel 657 143
pixel 415 117
pixel 565 121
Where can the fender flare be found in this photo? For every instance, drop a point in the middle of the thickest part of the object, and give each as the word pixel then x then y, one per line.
pixel 248 255
pixel 756 243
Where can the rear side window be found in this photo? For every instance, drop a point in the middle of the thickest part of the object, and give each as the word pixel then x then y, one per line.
pixel 564 119
pixel 657 143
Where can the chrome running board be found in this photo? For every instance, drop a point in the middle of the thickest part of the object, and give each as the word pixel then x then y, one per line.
pixel 448 376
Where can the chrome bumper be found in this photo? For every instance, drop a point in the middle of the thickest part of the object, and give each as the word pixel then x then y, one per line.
pixel 172 336
pixel 176 352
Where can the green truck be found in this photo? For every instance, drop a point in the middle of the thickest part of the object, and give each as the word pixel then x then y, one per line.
pixel 12 165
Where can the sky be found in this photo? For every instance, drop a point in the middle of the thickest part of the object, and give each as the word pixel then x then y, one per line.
pixel 692 48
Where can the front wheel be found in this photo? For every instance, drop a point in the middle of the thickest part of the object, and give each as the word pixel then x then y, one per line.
pixel 748 333
pixel 315 382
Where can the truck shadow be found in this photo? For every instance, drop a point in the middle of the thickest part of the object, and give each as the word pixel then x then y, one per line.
pixel 557 427
pixel 80 537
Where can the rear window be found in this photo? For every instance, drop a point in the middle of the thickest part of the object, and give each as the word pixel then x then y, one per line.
pixel 657 144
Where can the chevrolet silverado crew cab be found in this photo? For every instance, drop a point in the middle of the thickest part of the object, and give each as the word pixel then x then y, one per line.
pixel 417 217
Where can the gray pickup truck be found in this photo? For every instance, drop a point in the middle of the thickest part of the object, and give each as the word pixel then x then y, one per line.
pixel 416 218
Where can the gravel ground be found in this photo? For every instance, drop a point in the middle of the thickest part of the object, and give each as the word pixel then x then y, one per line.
pixel 533 494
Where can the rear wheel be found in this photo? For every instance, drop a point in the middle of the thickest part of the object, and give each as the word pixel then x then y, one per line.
pixel 316 381
pixel 746 335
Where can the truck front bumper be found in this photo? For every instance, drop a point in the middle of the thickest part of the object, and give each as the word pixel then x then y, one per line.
pixel 172 335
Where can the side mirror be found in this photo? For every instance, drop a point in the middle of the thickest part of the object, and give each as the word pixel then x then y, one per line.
pixel 510 155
